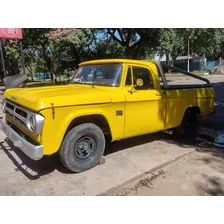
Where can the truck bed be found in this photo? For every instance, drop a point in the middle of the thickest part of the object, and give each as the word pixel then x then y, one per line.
pixel 187 86
pixel 165 82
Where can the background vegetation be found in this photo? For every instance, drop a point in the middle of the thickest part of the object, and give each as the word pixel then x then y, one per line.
pixel 59 51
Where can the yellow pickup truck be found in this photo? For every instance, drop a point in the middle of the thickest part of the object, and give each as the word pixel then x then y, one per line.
pixel 106 99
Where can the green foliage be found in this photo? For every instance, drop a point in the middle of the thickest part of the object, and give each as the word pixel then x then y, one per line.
pixel 207 41
pixel 136 42
pixel 203 41
pixel 61 50
pixel 172 41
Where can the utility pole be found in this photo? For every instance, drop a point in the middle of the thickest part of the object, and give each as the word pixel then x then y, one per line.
pixel 188 56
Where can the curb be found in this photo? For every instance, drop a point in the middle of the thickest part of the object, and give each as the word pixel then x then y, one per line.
pixel 217 135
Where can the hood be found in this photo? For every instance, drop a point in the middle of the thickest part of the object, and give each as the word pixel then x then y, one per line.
pixel 39 98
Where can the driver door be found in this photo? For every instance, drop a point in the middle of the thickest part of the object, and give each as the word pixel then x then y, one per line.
pixel 145 105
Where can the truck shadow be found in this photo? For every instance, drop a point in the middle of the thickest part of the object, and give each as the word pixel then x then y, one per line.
pixel 132 142
pixel 30 168
pixel 48 164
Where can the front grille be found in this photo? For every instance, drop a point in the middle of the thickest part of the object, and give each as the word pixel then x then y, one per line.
pixel 22 134
pixel 10 106
pixel 16 112
pixel 21 112
pixel 22 116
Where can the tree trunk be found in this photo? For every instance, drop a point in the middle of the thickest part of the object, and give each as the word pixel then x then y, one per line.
pixel 29 69
pixel 173 61
pixel 128 53
pixel 134 51
pixel 167 59
pixel 168 62
pixel 51 70
pixel 174 58
pixel 53 77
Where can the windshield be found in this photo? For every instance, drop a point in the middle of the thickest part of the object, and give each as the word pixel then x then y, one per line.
pixel 104 75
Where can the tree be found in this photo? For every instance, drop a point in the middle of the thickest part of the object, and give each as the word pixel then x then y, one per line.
pixel 203 42
pixel 207 41
pixel 12 56
pixel 84 44
pixel 37 40
pixel 173 42
pixel 136 42
pixel 58 50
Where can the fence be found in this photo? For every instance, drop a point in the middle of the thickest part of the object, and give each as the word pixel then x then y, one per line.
pixel 219 67
pixel 209 65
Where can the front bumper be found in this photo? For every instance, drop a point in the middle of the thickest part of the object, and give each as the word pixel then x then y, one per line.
pixel 35 152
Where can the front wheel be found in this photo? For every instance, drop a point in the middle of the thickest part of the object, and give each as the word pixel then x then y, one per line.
pixel 82 147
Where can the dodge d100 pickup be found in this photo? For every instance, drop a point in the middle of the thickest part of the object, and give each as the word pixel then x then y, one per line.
pixel 106 99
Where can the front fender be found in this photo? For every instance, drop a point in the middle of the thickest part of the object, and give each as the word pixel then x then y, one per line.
pixel 55 128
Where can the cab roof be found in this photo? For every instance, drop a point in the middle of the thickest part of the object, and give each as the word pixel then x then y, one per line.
pixel 104 61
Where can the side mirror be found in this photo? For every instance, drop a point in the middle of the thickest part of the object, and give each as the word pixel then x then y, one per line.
pixel 139 82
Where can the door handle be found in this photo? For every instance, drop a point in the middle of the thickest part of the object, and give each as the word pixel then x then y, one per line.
pixel 158 94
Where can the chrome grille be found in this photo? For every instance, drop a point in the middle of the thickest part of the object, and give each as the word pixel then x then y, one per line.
pixel 16 112
pixel 23 116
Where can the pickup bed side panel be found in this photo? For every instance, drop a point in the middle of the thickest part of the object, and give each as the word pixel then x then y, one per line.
pixel 55 129
pixel 178 101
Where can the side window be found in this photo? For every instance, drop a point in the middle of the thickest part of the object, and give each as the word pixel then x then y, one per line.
pixel 145 75
pixel 128 81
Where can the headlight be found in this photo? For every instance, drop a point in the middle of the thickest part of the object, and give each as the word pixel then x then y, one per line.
pixel 33 122
pixel 3 105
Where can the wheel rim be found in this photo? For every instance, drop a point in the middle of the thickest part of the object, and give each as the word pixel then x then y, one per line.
pixel 85 147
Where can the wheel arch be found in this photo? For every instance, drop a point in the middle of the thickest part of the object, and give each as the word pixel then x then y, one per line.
pixel 194 109
pixel 97 119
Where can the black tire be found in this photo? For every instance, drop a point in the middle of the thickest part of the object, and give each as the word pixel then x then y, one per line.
pixel 82 147
pixel 188 127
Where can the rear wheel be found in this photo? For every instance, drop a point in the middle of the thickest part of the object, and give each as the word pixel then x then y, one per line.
pixel 82 147
pixel 188 127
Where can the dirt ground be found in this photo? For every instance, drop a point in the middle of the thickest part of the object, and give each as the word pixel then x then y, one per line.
pixel 196 174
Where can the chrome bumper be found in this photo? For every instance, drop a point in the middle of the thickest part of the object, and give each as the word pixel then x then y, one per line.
pixel 32 151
